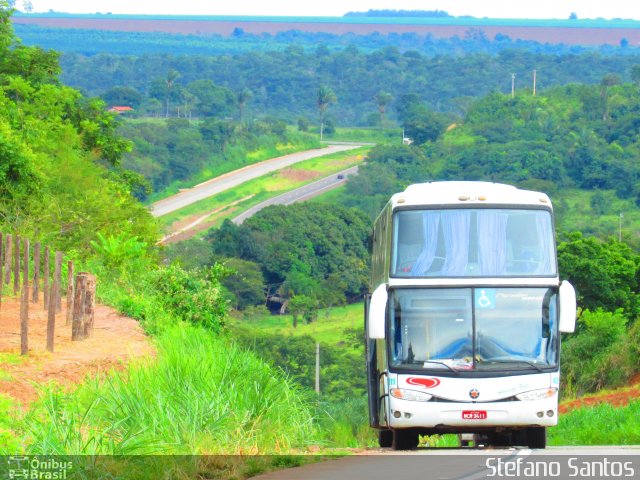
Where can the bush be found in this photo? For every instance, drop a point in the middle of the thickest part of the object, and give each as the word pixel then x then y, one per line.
pixel 191 296
pixel 599 356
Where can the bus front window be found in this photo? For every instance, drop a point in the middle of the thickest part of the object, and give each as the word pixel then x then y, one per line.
pixel 514 328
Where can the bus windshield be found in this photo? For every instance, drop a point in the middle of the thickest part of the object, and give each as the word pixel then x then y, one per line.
pixel 487 242
pixel 480 328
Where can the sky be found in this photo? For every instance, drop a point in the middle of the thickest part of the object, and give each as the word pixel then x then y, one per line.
pixel 478 8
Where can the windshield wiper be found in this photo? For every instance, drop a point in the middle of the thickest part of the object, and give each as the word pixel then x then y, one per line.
pixel 537 367
pixel 442 363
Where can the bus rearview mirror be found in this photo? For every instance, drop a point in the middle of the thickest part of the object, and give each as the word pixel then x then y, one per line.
pixel 567 307
pixel 377 312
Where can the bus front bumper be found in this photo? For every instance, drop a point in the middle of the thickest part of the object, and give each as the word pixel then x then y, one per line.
pixel 410 414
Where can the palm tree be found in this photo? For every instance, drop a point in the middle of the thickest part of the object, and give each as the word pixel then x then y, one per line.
pixel 172 76
pixel 326 97
pixel 383 99
pixel 607 81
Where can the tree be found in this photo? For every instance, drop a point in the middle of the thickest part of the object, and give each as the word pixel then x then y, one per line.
pixel 605 274
pixel 326 97
pixel 383 99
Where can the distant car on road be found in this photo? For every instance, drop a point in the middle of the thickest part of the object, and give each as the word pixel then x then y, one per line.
pixel 340 177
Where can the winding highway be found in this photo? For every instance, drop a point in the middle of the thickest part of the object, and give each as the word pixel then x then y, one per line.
pixel 238 177
pixel 300 194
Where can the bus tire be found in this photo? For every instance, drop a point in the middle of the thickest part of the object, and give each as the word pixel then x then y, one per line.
pixel 385 438
pixel 537 437
pixel 404 440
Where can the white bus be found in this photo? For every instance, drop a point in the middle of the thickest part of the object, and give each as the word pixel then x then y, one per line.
pixel 464 319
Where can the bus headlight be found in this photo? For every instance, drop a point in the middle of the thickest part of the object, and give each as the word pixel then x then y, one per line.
pixel 542 394
pixel 412 395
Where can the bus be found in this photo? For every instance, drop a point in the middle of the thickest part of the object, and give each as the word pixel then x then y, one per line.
pixel 464 315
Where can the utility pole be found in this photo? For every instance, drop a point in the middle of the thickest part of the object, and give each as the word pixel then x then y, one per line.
pixel 534 83
pixel 513 85
pixel 620 228
pixel 318 368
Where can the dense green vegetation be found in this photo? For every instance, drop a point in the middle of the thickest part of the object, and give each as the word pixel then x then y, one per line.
pixel 283 83
pixel 309 257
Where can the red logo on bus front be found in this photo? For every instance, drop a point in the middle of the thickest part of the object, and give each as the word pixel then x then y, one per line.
pixel 424 382
pixel 474 414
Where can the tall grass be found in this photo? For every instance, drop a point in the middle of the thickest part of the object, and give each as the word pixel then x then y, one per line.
pixel 202 395
pixel 602 424
pixel 345 423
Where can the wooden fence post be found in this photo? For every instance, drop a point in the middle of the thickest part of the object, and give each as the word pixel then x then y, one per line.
pixel 51 317
pixel 77 325
pixel 16 264
pixel 57 281
pixel 36 272
pixel 7 259
pixel 89 305
pixel 24 302
pixel 1 268
pixel 45 278
pixel 70 292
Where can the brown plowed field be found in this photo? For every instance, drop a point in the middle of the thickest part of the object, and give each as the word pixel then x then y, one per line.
pixel 578 35
pixel 617 398
pixel 116 340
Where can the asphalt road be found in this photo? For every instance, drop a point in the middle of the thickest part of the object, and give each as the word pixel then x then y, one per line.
pixel 299 194
pixel 237 177
pixel 473 464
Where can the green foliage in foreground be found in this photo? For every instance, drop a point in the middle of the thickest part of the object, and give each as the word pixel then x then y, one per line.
pixel 201 395
pixel 603 424
pixel 603 353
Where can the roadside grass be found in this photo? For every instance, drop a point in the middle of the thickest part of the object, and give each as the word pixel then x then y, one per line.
pixel 237 157
pixel 202 395
pixel 328 328
pixel 260 189
pixel 602 424
pixel 364 134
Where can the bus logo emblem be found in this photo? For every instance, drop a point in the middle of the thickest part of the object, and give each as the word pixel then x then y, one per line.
pixel 474 393
pixel 424 382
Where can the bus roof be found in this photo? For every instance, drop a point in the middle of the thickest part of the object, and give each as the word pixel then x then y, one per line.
pixel 467 194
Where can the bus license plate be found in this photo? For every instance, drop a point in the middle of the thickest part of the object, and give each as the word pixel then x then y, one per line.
pixel 474 414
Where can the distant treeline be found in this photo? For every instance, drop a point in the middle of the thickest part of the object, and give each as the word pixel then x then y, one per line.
pixel 284 84
pixel 399 13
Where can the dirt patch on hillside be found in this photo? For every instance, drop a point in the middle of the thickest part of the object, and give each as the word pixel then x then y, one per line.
pixel 116 340
pixel 299 175
pixel 617 398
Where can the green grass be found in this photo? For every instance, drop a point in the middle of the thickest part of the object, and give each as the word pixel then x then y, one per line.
pixel 328 328
pixel 265 187
pixel 602 424
pixel 367 135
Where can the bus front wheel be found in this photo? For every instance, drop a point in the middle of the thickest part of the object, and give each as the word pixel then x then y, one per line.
pixel 536 437
pixel 385 438
pixel 404 440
